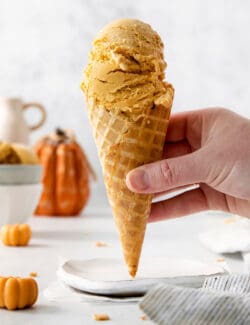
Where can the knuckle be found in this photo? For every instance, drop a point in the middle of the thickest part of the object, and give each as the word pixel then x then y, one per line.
pixel 221 111
pixel 166 172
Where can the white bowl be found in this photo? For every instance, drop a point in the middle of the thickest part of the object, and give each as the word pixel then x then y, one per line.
pixel 20 174
pixel 18 202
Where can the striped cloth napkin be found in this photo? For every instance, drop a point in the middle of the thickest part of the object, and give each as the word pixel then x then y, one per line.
pixel 222 300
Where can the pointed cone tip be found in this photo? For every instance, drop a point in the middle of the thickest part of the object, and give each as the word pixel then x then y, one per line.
pixel 132 271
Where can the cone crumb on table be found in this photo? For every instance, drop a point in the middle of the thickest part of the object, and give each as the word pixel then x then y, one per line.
pixel 33 274
pixel 100 244
pixel 101 317
pixel 128 105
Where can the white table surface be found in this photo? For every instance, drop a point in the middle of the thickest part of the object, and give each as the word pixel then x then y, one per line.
pixel 54 238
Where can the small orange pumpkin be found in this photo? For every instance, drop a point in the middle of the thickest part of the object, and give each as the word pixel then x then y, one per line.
pixel 16 235
pixel 17 293
pixel 65 175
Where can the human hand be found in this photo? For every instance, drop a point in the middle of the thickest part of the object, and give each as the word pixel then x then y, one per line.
pixel 209 147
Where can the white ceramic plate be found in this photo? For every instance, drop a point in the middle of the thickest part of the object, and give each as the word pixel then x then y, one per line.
pixel 109 276
pixel 230 237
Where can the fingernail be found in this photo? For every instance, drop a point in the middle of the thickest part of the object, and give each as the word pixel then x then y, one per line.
pixel 138 180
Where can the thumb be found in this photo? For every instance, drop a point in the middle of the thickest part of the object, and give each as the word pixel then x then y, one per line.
pixel 167 174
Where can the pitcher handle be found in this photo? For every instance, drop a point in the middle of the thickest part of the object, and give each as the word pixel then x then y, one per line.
pixel 43 114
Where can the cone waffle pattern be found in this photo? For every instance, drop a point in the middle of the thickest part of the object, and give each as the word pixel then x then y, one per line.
pixel 124 144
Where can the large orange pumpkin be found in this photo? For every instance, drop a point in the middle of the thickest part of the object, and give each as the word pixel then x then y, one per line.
pixel 65 175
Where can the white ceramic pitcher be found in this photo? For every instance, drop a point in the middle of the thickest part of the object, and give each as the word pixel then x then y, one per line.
pixel 13 127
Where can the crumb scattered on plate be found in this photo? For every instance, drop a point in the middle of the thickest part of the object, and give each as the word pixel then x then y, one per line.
pixel 229 220
pixel 33 274
pixel 100 244
pixel 101 317
pixel 220 259
pixel 143 317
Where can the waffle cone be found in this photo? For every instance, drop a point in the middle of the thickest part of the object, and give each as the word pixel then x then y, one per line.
pixel 124 144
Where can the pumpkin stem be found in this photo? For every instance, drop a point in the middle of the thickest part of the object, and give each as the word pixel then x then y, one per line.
pixel 60 132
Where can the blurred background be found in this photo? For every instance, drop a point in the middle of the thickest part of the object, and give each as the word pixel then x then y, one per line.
pixel 44 48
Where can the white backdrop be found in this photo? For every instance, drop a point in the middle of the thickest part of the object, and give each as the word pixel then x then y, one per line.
pixel 44 46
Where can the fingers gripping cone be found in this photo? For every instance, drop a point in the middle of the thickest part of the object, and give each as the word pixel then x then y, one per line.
pixel 128 133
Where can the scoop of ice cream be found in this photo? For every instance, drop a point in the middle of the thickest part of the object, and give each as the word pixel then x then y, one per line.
pixel 126 68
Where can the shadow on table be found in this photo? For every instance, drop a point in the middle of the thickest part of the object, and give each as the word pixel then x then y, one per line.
pixel 38 309
pixel 233 256
pixel 60 234
pixel 45 308
pixel 74 235
pixel 31 245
